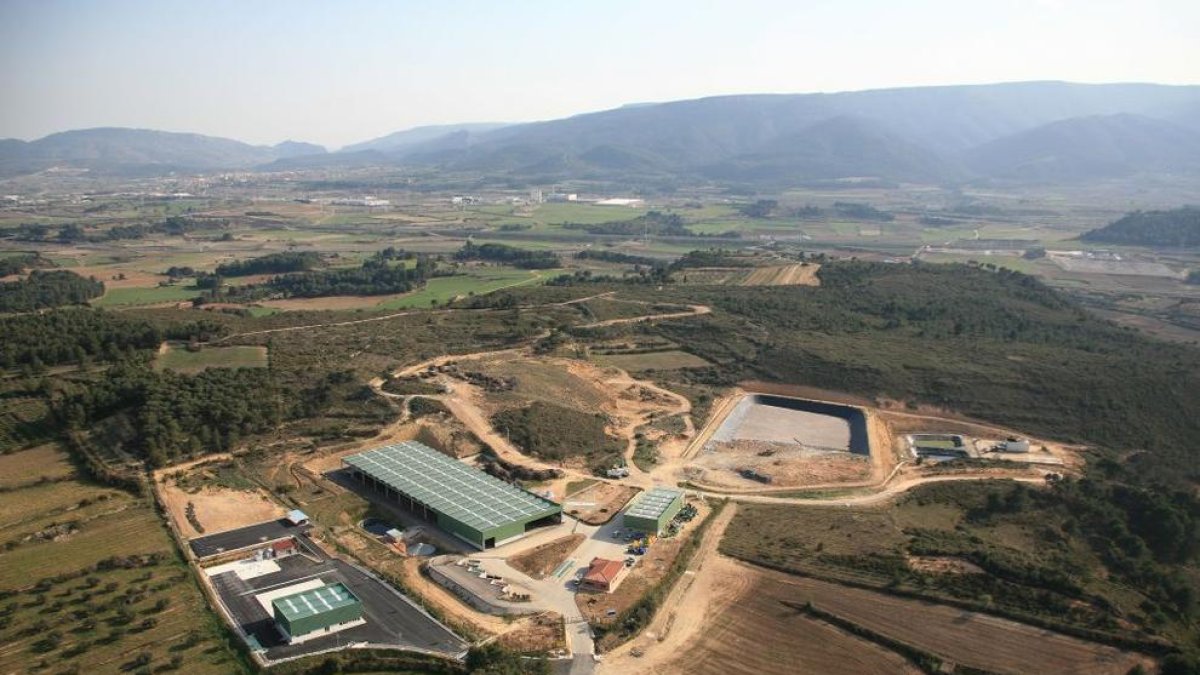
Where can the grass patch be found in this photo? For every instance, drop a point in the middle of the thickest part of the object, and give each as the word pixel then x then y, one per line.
pixel 181 359
pixel 441 290
pixel 116 297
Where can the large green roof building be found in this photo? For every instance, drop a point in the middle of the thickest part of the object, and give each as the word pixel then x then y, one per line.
pixel 316 612
pixel 479 509
pixel 653 510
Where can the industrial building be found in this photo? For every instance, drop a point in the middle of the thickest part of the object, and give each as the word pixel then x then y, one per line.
pixel 652 511
pixel 316 612
pixel 479 509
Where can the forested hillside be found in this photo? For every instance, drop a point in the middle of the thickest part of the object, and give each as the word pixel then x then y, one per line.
pixel 1177 227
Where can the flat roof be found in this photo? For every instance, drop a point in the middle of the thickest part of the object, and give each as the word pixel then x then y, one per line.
pixel 654 503
pixel 314 601
pixel 451 487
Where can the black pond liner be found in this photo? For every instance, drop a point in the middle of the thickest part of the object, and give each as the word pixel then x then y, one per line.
pixel 859 443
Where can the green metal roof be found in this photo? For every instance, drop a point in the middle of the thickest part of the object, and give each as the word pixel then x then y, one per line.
pixel 654 503
pixel 314 601
pixel 450 487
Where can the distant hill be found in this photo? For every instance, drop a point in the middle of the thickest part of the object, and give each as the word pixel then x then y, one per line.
pixel 1090 147
pixel 113 149
pixel 1177 227
pixel 907 134
pixel 1031 131
pixel 408 138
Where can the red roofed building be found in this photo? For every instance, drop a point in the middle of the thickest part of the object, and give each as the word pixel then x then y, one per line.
pixel 603 575
pixel 283 548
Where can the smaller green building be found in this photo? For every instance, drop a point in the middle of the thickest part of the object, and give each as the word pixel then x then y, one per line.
pixel 653 510
pixel 316 612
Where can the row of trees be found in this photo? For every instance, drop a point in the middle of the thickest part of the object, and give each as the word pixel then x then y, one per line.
pixel 509 255
pixel 618 257
pixel 272 263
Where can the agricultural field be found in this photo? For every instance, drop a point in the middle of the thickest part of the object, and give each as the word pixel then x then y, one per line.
pixel 755 633
pixel 477 281
pixel 801 274
pixel 150 295
pixel 760 633
pixel 181 359
pixel 92 582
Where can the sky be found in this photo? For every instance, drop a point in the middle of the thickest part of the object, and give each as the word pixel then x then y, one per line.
pixel 334 73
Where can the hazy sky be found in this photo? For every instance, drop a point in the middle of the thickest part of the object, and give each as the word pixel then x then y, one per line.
pixel 340 72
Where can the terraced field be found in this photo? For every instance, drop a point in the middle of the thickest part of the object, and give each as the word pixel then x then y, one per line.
pixel 90 581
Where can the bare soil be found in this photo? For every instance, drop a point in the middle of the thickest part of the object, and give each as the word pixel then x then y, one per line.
pixel 943 565
pixel 787 466
pixel 542 560
pixel 218 509
pixel 540 634
pixel 599 502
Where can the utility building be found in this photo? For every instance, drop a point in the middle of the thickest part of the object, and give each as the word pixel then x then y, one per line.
pixel 653 510
pixel 482 510
pixel 316 612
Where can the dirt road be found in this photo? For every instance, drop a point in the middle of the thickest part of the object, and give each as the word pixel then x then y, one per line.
pixel 704 590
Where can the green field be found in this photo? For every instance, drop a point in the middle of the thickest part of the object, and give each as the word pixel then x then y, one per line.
pixel 477 281
pixel 116 297
pixel 179 358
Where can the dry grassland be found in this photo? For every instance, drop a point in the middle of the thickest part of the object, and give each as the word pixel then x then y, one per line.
pixel 801 274
pixel 42 462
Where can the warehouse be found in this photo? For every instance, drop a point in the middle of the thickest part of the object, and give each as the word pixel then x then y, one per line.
pixel 316 612
pixel 653 510
pixel 477 508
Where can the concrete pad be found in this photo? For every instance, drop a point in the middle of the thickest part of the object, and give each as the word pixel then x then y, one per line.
pixel 245 569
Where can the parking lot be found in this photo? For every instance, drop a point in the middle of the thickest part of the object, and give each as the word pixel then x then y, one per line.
pixel 392 620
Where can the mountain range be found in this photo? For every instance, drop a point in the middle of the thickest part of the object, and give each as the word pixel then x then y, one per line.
pixel 1033 131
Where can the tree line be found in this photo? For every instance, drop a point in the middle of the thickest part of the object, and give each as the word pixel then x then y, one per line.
pixel 509 255
pixel 272 263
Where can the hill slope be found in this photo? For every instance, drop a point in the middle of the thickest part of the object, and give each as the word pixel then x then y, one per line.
pixel 1090 147
pixel 909 134
pixel 1177 227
